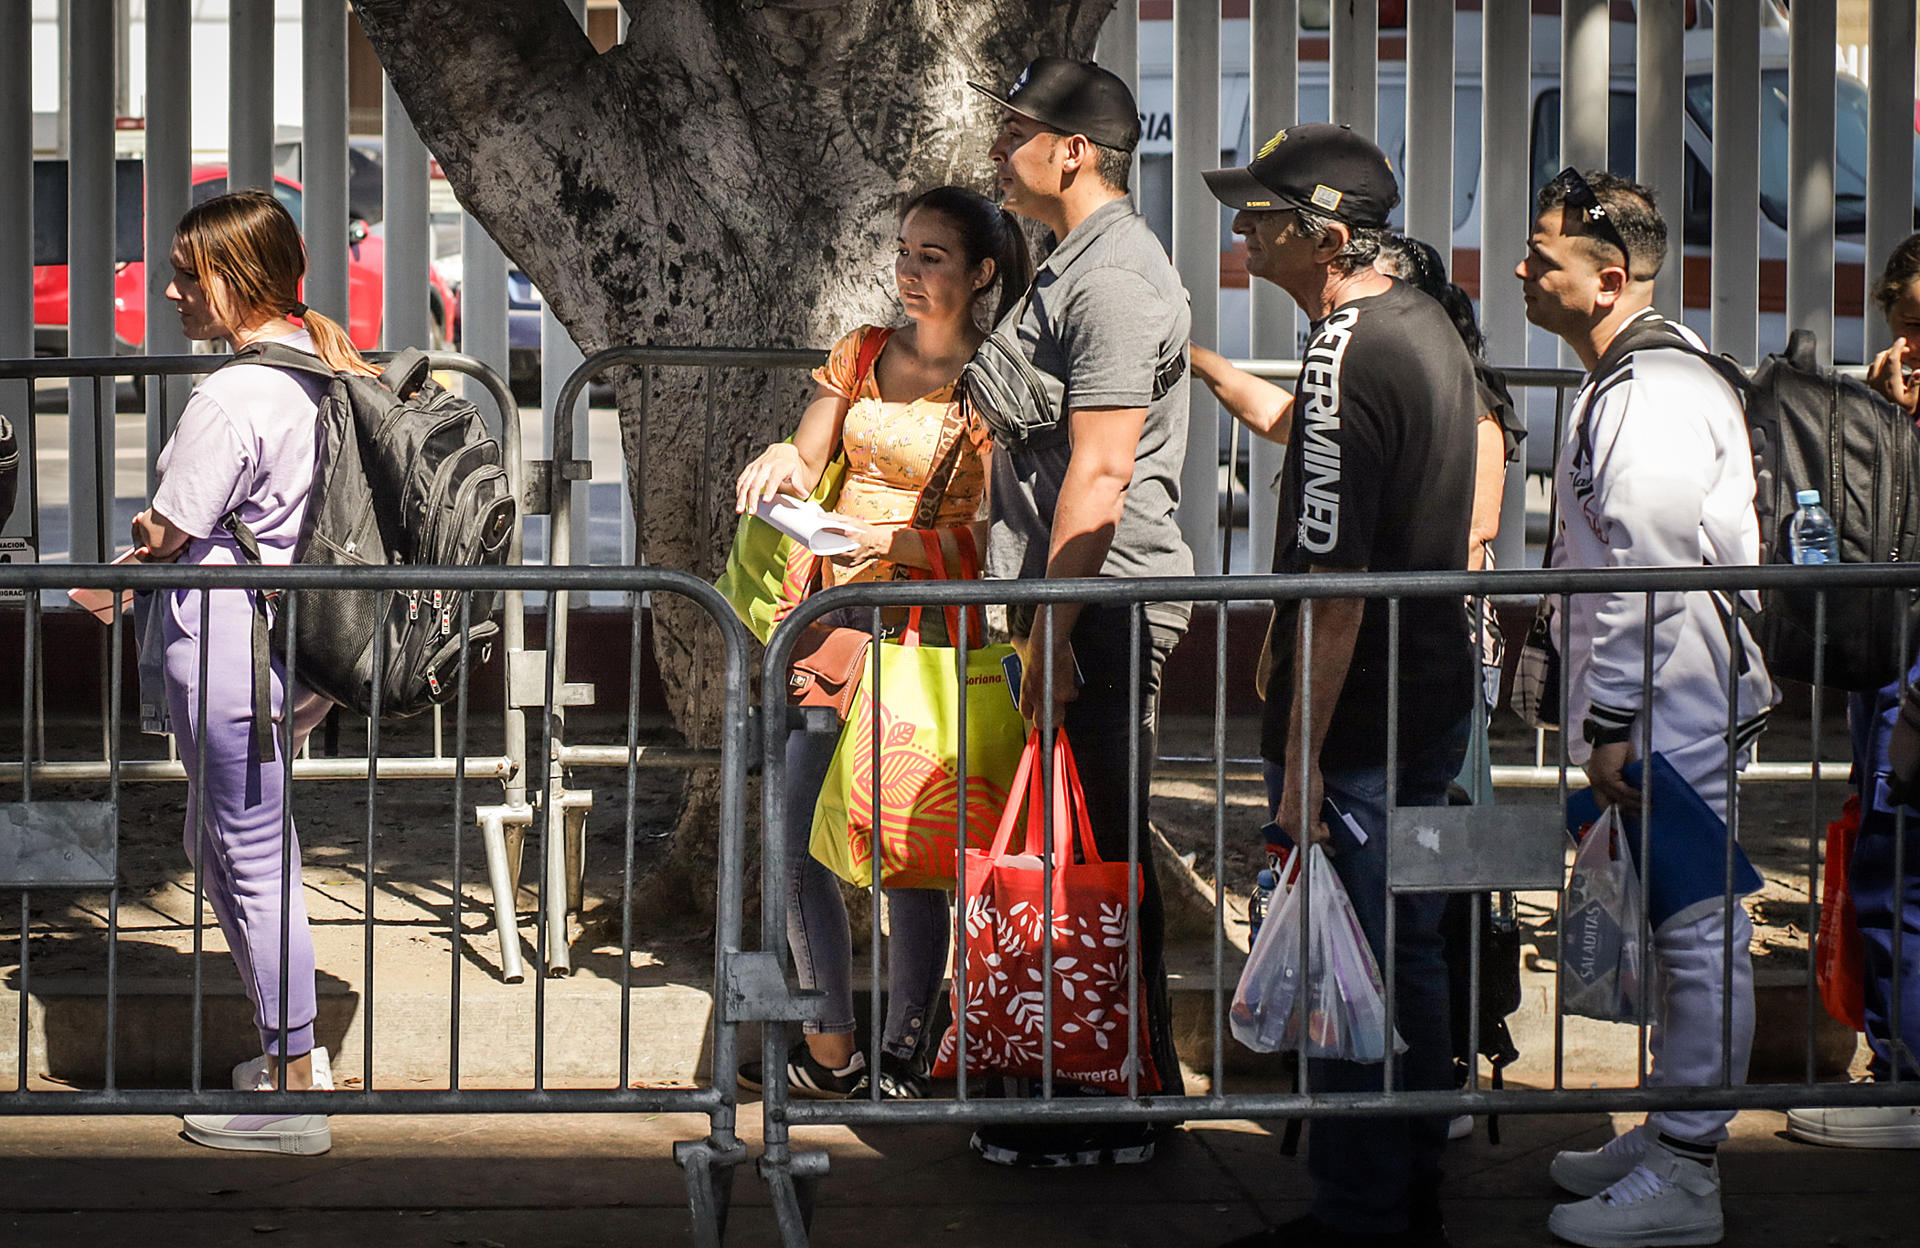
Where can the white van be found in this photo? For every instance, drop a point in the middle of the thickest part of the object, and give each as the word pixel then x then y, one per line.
pixel 1691 214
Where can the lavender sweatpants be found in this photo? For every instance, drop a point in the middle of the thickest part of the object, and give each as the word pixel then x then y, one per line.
pixel 241 801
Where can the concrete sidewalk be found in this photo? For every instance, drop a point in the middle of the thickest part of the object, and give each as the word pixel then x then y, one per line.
pixel 554 1182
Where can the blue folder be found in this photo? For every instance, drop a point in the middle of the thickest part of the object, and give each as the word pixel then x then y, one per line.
pixel 1689 845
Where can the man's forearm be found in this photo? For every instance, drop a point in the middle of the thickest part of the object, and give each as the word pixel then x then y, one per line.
pixel 1336 629
pixel 1084 521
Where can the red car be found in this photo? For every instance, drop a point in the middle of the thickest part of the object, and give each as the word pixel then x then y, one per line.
pixel 366 269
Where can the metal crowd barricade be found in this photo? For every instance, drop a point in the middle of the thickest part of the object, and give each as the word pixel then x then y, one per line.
pixel 67 845
pixel 1428 850
pixel 530 482
pixel 567 756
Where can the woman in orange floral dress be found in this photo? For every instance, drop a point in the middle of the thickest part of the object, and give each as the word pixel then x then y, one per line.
pixel 887 400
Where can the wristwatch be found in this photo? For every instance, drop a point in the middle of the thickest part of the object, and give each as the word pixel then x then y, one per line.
pixel 1597 734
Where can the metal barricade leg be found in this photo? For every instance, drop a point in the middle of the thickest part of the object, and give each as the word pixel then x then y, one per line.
pixel 503 877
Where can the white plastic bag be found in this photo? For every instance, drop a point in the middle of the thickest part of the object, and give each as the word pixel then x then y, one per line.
pixel 1600 926
pixel 1337 990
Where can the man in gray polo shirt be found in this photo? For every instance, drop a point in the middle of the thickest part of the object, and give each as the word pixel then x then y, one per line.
pixel 1094 495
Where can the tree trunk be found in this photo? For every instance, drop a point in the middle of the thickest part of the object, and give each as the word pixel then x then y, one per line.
pixel 726 177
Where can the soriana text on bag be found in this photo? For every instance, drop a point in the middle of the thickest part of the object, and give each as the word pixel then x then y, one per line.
pixel 1005 921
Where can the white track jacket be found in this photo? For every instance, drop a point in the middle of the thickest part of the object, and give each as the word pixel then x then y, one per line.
pixel 1656 471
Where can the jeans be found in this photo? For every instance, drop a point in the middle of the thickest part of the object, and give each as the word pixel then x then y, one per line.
pixel 1368 1173
pixel 817 929
pixel 1097 724
pixel 1883 903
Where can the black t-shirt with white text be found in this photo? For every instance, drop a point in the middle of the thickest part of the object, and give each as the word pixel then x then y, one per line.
pixel 1379 475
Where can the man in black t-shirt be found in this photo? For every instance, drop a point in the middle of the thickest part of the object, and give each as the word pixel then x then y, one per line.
pixel 1379 477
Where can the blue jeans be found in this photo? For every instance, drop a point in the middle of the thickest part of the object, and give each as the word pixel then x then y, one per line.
pixel 1882 902
pixel 1369 1174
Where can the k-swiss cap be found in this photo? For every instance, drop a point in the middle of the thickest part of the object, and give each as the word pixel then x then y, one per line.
pixel 1321 168
pixel 1073 97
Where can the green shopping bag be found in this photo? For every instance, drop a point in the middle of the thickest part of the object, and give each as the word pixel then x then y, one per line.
pixel 917 821
pixel 755 579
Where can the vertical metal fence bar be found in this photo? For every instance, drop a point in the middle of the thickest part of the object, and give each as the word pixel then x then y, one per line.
pixel 1728 899
pixel 1814 876
pixel 1735 323
pixel 875 853
pixel 16 216
pixel 249 96
pixel 1644 876
pixel 1220 1001
pixel 1118 49
pixel 373 823
pixel 1303 835
pixel 323 155
pixel 1901 1055
pixel 168 165
pixel 404 313
pixel 1889 147
pixel 1429 123
pixel 960 844
pixel 551 865
pixel 1196 254
pixel 456 932
pixel 1273 31
pixel 637 638
pixel 116 632
pixel 1049 778
pixel 1506 216
pixel 197 802
pixel 1660 84
pixel 1353 50
pixel 1585 53
pixel 1392 928
pixel 289 864
pixel 90 275
pixel 1565 618
pixel 1810 174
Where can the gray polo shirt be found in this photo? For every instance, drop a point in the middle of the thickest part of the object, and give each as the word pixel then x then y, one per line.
pixel 1107 311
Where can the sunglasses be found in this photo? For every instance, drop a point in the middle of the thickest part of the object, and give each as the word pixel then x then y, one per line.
pixel 1580 197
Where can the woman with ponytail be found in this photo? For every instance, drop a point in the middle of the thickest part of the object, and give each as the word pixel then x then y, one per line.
pixel 887 400
pixel 245 444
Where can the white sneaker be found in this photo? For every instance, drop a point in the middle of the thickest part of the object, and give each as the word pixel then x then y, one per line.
pixel 305 1135
pixel 1590 1173
pixel 260 1075
pixel 1858 1126
pixel 1665 1200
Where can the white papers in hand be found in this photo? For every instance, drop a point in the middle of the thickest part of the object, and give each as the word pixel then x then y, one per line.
pixel 807 522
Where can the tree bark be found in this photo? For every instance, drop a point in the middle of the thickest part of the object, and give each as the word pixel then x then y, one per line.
pixel 728 176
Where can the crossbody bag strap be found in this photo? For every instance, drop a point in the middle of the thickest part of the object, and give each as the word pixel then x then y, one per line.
pixel 262 673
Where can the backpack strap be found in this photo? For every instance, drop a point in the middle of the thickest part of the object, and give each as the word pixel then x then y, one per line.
pixel 262 675
pixel 280 355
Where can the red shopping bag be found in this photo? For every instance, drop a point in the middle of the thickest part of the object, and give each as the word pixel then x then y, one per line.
pixel 1002 936
pixel 1841 969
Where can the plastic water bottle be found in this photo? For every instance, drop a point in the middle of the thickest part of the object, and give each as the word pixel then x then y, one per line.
pixel 1812 537
pixel 1263 886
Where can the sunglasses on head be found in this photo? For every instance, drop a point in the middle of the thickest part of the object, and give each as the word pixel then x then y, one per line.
pixel 1580 197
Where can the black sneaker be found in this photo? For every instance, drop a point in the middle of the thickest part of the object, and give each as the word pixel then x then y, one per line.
pixel 808 1078
pixel 900 1080
pixel 1066 1144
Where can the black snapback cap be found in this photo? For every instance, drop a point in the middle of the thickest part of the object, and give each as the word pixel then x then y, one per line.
pixel 1322 168
pixel 1074 97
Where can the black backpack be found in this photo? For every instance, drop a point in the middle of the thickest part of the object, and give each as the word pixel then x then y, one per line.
pixel 1812 429
pixel 406 473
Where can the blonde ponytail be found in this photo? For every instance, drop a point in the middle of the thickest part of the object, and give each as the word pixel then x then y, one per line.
pixel 335 349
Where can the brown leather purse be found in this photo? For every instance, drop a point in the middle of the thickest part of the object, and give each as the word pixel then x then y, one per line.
pixel 826 667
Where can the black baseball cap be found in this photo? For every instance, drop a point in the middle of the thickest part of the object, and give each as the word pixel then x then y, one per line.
pixel 1322 168
pixel 1074 97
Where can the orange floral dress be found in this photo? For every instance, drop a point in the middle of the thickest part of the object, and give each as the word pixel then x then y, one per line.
pixel 891 454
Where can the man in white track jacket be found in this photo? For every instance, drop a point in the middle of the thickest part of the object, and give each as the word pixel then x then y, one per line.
pixel 1655 470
